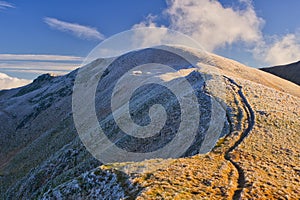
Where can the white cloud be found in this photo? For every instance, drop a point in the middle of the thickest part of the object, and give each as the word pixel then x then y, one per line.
pixel 215 26
pixel 144 37
pixel 148 37
pixel 149 22
pixel 39 57
pixel 4 5
pixel 280 50
pixel 211 24
pixel 78 30
pixel 7 82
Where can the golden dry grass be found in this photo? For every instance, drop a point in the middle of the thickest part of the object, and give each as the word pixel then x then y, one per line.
pixel 269 156
pixel 199 177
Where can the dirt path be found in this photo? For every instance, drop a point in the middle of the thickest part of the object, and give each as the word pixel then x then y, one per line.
pixel 250 118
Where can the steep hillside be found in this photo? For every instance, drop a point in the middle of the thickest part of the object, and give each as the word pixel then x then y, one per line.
pixel 289 72
pixel 255 154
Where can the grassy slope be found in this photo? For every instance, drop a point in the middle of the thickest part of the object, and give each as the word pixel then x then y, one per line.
pixel 269 157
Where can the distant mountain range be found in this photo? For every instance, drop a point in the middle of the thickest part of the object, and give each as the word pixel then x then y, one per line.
pixel 254 156
pixel 289 72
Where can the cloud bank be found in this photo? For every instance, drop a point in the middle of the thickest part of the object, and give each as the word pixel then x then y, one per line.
pixel 211 24
pixel 215 26
pixel 7 82
pixel 280 50
pixel 78 30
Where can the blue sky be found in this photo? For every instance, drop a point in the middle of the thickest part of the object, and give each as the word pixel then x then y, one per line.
pixel 71 29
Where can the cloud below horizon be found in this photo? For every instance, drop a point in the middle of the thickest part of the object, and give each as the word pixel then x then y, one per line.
pixel 80 31
pixel 8 82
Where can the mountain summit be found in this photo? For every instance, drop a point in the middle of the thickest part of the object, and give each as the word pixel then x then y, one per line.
pixel 253 153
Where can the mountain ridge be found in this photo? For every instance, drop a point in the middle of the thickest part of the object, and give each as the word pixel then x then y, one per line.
pixel 37 120
pixel 290 72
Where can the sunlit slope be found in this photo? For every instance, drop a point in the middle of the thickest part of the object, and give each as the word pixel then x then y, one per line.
pixel 41 155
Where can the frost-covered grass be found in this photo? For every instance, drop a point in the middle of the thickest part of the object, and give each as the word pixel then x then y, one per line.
pixel 270 155
pixel 43 158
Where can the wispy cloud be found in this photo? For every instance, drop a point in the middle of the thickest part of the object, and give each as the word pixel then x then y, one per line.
pixel 4 5
pixel 45 67
pixel 39 57
pixel 78 30
pixel 30 66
